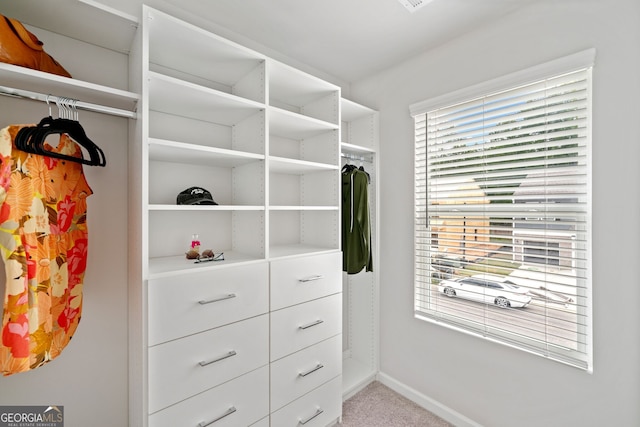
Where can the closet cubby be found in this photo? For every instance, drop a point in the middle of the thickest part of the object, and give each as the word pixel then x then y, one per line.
pixel 186 52
pixel 297 92
pixel 85 20
pixel 358 128
pixel 239 234
pixel 301 184
pixel 233 181
pixel 303 231
pixel 181 98
pixel 303 138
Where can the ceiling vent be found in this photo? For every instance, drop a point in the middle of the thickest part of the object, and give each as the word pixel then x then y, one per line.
pixel 413 5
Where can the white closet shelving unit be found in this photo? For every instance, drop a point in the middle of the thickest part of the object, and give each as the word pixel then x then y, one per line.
pixel 264 139
pixel 359 135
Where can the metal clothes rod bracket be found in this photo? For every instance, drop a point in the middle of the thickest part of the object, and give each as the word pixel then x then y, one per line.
pixel 20 93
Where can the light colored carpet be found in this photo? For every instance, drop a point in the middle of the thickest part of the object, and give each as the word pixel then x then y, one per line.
pixel 378 406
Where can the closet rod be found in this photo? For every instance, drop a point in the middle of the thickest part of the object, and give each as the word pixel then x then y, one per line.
pixel 20 93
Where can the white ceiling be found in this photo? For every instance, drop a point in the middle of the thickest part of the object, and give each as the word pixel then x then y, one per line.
pixel 347 39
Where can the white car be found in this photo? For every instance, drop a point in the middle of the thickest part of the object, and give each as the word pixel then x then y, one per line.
pixel 486 288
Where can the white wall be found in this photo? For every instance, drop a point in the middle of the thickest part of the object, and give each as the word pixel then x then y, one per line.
pixel 492 384
pixel 89 378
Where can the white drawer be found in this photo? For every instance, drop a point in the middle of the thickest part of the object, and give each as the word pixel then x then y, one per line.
pixel 182 368
pixel 190 303
pixel 262 423
pixel 297 327
pixel 244 400
pixel 301 279
pixel 320 408
pixel 301 372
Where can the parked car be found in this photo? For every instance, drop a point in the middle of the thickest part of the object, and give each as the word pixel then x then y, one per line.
pixel 447 261
pixel 440 273
pixel 486 288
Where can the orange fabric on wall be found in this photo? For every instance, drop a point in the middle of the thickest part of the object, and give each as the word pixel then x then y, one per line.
pixel 43 243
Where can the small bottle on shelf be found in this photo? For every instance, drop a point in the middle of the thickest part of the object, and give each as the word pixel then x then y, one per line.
pixel 194 250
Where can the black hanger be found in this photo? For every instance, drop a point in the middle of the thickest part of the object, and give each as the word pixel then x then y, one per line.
pixel 32 140
pixel 361 169
pixel 348 168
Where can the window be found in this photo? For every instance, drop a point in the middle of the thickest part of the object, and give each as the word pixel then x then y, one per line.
pixel 503 210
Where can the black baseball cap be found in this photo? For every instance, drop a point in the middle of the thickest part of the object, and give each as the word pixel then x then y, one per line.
pixel 195 196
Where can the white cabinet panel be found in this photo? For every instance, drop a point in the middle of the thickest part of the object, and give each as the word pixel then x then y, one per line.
pixel 240 402
pixel 302 279
pixel 190 365
pixel 300 326
pixel 188 303
pixel 305 370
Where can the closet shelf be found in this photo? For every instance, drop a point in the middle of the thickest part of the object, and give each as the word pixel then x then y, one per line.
pixel 297 167
pixel 174 96
pixel 303 208
pixel 52 84
pixel 180 152
pixel 293 125
pixel 179 265
pixel 200 208
pixel 356 149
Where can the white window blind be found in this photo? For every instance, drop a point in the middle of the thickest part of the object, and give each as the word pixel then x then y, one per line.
pixel 502 193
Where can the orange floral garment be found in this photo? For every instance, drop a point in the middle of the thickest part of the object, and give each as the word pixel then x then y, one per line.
pixel 43 243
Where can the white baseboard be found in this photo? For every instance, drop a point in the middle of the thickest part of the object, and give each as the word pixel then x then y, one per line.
pixel 426 402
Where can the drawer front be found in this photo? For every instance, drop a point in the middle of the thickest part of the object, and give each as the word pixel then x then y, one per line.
pixel 304 371
pixel 297 280
pixel 240 402
pixel 319 408
pixel 187 304
pixel 262 423
pixel 297 327
pixel 182 368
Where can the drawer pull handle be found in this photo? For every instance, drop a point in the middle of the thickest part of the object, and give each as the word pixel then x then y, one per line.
pixel 318 412
pixel 311 278
pixel 226 414
pixel 226 356
pixel 304 374
pixel 309 325
pixel 222 298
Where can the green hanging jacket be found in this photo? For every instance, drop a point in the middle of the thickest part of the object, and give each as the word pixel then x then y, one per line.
pixel 356 225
